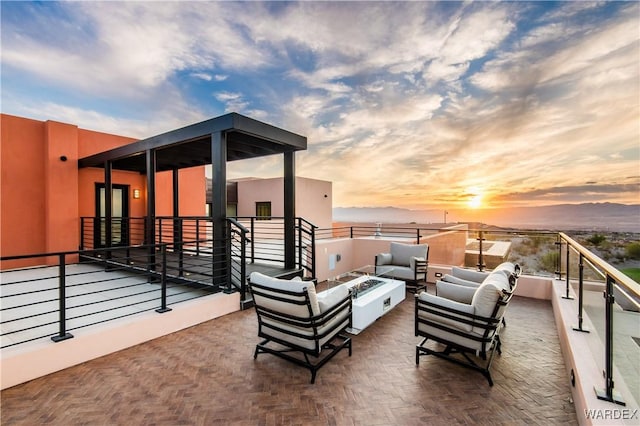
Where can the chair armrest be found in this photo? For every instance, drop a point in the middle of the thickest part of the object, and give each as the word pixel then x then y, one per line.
pixel 384 259
pixel 418 264
pixel 455 292
pixel 459 281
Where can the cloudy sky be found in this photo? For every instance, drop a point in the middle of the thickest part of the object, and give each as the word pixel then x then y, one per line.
pixel 416 105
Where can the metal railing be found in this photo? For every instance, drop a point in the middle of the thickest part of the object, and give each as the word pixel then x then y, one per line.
pixel 77 289
pixel 266 241
pixel 398 232
pixel 617 288
pixel 528 248
pixel 238 240
pixel 247 240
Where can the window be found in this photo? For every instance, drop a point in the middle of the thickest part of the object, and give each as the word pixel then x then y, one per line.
pixel 263 210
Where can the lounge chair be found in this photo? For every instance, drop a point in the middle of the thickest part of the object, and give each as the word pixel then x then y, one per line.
pixel 406 262
pixel 292 318
pixel 466 320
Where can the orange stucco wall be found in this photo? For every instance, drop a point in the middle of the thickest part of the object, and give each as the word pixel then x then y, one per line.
pixel 22 189
pixel 42 197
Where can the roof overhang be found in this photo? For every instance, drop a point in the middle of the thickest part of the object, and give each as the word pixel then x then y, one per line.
pixel 191 145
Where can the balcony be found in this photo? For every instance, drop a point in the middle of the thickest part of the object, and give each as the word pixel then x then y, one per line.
pixel 185 377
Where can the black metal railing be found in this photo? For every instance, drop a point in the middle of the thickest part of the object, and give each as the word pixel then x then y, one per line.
pixel 519 246
pixel 266 241
pixel 392 232
pixel 619 291
pixel 246 240
pixel 237 242
pixel 76 289
pixel 306 246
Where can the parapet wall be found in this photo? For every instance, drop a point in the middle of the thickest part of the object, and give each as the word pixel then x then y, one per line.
pixel 339 255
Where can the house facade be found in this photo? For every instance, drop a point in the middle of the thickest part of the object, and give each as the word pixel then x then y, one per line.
pixel 44 194
pixel 265 197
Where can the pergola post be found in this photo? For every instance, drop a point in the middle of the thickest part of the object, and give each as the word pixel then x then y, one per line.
pixel 289 210
pixel 219 207
pixel 108 207
pixel 177 222
pixel 151 205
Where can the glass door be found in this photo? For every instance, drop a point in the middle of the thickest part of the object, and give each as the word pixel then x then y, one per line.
pixel 119 216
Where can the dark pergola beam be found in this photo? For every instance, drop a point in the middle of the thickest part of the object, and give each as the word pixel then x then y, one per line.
pixel 239 128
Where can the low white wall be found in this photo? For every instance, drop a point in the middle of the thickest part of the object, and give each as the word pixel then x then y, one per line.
pixel 445 247
pixel 579 358
pixel 29 361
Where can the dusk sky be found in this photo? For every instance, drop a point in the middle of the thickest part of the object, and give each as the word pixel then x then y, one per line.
pixel 417 105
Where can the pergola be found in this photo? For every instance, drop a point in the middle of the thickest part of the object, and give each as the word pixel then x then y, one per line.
pixel 216 141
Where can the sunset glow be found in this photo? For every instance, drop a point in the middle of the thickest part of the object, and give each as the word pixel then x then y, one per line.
pixel 475 202
pixel 404 104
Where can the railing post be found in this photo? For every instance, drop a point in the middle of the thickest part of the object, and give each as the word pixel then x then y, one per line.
pixel 178 244
pixel 417 235
pixel 198 237
pixel 313 252
pixel 81 234
pixel 299 265
pixel 253 239
pixel 559 261
pixel 480 264
pixel 351 232
pixel 228 247
pixel 163 281
pixel 567 296
pixel 127 237
pixel 243 266
pixel 62 279
pixel 608 394
pixel 580 294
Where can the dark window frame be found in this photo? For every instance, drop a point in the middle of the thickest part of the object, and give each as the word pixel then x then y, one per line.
pixel 260 206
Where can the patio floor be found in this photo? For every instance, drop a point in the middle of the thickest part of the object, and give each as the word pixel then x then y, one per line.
pixel 207 375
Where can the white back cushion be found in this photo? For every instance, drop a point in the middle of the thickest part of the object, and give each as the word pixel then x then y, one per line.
pixel 402 253
pixel 295 284
pixel 485 299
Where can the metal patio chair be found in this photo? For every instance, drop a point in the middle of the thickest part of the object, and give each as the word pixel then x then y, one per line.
pixel 469 330
pixel 299 325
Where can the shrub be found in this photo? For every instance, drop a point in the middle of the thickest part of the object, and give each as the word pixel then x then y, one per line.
pixel 633 251
pixel 549 261
pixel 597 239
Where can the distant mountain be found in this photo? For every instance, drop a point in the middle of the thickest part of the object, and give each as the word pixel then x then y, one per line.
pixel 386 215
pixel 587 216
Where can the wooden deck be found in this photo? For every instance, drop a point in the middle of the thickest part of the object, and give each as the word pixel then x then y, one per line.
pixel 207 375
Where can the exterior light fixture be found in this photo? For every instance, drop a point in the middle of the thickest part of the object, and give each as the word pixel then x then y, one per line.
pixel 136 193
